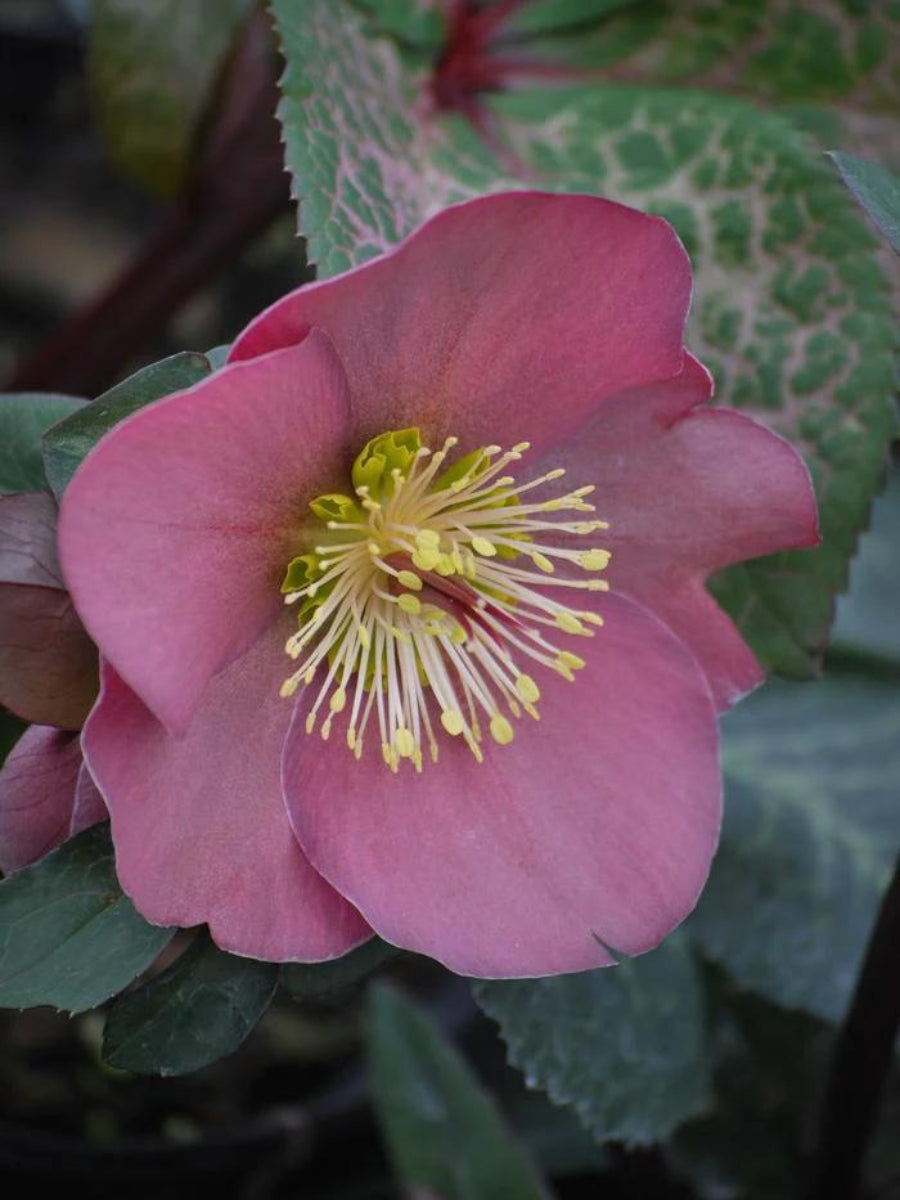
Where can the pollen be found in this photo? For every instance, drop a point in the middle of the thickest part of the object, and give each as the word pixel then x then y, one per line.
pixel 427 593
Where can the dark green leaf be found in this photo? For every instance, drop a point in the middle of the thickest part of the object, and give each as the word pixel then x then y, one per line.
pixel 68 936
pixel 625 1046
pixel 445 1135
pixel 152 70
pixel 769 1068
pixel 317 981
pixel 877 190
pixel 66 444
pixel 791 308
pixel 198 1010
pixel 811 829
pixel 868 619
pixel 23 418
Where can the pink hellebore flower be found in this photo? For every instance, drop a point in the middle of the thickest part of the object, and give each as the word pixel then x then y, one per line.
pixel 48 675
pixel 388 772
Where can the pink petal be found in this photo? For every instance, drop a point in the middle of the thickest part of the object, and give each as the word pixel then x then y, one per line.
pixel 37 790
pixel 89 806
pixel 504 318
pixel 595 828
pixel 28 540
pixel 198 822
pixel 48 664
pixel 176 530
pixel 689 490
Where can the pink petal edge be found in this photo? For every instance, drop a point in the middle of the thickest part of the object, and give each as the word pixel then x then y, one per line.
pixel 512 315
pixel 37 792
pixel 594 829
pixel 176 530
pixel 198 821
pixel 688 490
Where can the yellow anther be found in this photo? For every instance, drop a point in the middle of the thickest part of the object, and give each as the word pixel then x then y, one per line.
pixel 426 559
pixel 452 721
pixel 594 560
pixel 501 730
pixel 444 565
pixel 404 742
pixel 569 623
pixel 404 655
pixel 481 545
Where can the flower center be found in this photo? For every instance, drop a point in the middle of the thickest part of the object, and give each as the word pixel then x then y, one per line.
pixel 432 587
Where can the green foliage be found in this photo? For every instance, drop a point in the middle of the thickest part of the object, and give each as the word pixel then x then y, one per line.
pixel 153 68
pixel 445 1136
pixel 23 418
pixel 84 942
pixel 66 444
pixel 868 618
pixel 877 190
pixel 628 1048
pixel 198 1010
pixel 769 1067
pixel 791 308
pixel 809 838
pixel 319 981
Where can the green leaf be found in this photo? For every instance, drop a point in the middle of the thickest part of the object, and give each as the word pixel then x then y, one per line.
pixel 868 618
pixel 197 1011
pixel 66 444
pixel 152 70
pixel 877 190
pixel 824 50
pixel 445 1135
pixel 769 1068
pixel 317 981
pixel 625 1046
pixel 23 418
pixel 217 356
pixel 791 310
pixel 68 936
pixel 811 829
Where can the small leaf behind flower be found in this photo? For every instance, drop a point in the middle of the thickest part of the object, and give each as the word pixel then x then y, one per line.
pixel 198 1010
pixel 625 1046
pixel 23 418
pixel 66 444
pixel 445 1136
pixel 318 981
pixel 877 190
pixel 69 937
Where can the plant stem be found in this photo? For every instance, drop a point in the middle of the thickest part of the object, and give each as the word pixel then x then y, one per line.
pixel 237 189
pixel 861 1062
